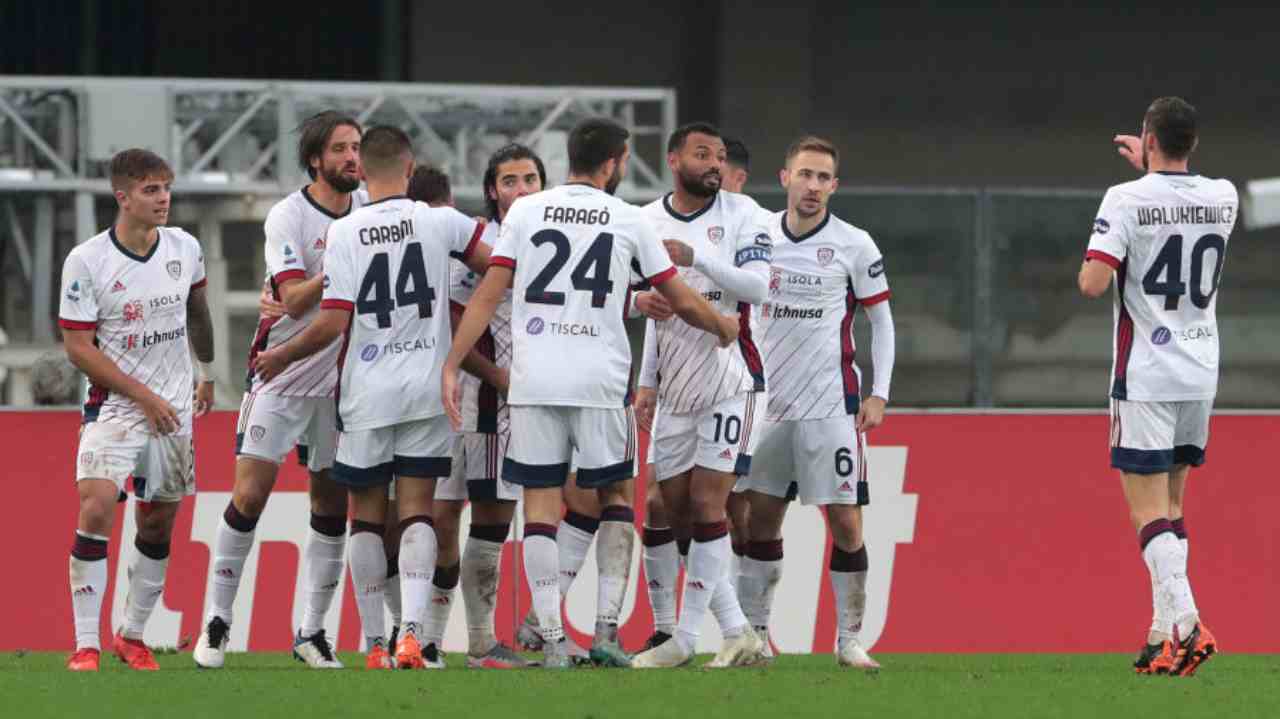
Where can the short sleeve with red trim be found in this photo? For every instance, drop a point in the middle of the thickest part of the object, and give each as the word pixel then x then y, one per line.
pixel 283 248
pixel 1109 241
pixel 78 307
pixel 653 260
pixel 341 276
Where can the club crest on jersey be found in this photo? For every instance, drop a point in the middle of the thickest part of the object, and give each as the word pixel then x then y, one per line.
pixel 257 432
pixel 1100 226
pixel 715 234
pixel 175 269
pixel 826 256
pixel 133 311
pixel 319 244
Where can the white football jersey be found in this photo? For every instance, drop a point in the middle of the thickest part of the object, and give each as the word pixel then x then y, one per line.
pixel 816 283
pixel 137 307
pixel 572 248
pixel 295 231
pixel 388 264
pixel 481 402
pixel 1166 236
pixel 694 372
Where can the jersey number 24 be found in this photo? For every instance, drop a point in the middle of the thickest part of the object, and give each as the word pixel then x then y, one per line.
pixel 591 274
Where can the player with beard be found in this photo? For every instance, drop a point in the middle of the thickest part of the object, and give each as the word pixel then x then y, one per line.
pixel 296 408
pixel 568 252
pixel 708 397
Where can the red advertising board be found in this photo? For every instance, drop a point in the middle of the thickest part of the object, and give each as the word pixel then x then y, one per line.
pixel 986 533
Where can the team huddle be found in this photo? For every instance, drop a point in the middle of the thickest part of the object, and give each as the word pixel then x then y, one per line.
pixel 420 360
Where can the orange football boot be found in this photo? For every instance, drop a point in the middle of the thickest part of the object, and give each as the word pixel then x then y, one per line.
pixel 379 658
pixel 409 652
pixel 1195 650
pixel 84 660
pixel 1156 659
pixel 134 653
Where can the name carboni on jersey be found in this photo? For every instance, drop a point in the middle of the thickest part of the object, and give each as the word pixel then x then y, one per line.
pixel 388 264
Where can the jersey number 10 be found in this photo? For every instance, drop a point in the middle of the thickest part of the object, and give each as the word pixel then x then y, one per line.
pixel 1169 263
pixel 412 286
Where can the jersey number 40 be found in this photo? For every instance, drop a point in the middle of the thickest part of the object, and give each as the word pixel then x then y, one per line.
pixel 412 286
pixel 1169 264
pixel 591 274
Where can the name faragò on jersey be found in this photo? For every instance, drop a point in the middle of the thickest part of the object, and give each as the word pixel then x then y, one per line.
pixel 383 234
pixel 1186 215
pixel 575 215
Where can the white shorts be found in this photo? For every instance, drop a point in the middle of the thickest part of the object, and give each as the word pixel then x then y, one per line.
pixel 822 461
pixel 162 466
pixel 477 463
pixel 720 438
pixel 1153 437
pixel 270 425
pixel 543 440
pixel 372 457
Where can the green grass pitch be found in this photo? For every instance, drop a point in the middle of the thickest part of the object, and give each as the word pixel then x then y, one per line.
pixel 1089 686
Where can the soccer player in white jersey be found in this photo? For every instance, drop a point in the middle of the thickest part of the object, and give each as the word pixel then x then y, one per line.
pixel 386 273
pixel 813 441
pixel 513 172
pixel 710 399
pixel 567 253
pixel 295 408
pixel 1164 237
pixel 132 299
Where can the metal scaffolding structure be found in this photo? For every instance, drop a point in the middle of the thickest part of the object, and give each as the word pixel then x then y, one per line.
pixel 232 146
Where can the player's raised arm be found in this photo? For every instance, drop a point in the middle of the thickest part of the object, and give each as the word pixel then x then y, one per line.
pixel 284 261
pixel 747 278
pixel 336 307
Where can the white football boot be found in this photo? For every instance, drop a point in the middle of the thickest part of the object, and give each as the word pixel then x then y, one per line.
pixel 211 648
pixel 744 650
pixel 664 656
pixel 852 654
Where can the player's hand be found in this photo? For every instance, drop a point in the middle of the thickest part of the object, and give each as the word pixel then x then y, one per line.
pixel 161 416
pixel 870 414
pixel 728 333
pixel 268 307
pixel 451 393
pixel 270 364
pixel 203 399
pixel 654 306
pixel 1130 148
pixel 681 254
pixel 646 402
pixel 504 381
